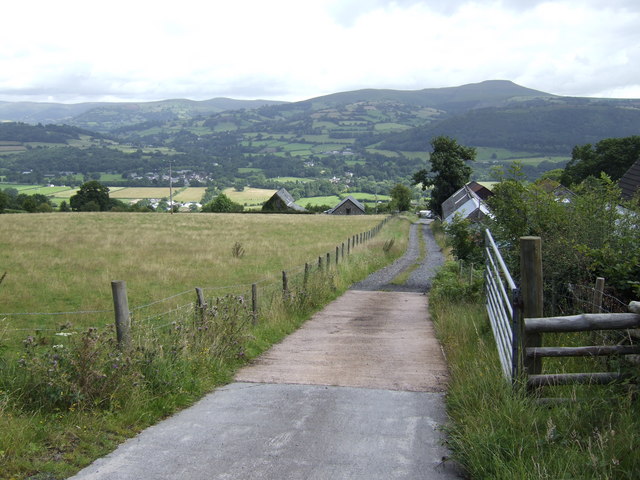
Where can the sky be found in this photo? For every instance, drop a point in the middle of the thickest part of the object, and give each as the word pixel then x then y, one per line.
pixel 75 51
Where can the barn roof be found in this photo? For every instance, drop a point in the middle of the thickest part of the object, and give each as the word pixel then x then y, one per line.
pixel 465 202
pixel 288 200
pixel 630 181
pixel 352 200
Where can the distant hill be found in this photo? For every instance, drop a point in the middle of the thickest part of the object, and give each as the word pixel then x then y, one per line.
pixel 449 99
pixel 104 116
pixel 366 139
pixel 550 125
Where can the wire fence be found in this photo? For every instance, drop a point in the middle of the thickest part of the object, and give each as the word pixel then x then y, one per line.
pixel 165 312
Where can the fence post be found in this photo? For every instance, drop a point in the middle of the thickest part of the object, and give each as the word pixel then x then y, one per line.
pixel 200 303
pixel 254 302
pixel 337 255
pixel 597 295
pixel 532 299
pixel 285 285
pixel 123 317
pixel 328 261
pixel 320 263
pixel 306 276
pixel 349 246
pixel 342 254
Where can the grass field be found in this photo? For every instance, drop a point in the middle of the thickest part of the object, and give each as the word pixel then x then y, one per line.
pixel 191 194
pixel 56 418
pixel 140 192
pixel 249 196
pixel 331 200
pixel 65 262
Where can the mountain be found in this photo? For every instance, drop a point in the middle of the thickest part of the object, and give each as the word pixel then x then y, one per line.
pixel 367 138
pixel 103 116
pixel 546 125
pixel 449 99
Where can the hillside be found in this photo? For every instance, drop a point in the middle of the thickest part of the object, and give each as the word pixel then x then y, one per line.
pixel 365 140
pixel 104 116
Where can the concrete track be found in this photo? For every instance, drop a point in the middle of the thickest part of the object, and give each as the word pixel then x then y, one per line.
pixel 356 393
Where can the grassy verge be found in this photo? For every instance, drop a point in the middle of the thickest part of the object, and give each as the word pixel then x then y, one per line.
pixel 68 401
pixel 496 433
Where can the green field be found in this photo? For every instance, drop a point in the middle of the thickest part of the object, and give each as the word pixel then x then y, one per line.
pixel 72 395
pixel 331 200
pixel 292 179
pixel 488 154
pixel 249 196
pixel 65 262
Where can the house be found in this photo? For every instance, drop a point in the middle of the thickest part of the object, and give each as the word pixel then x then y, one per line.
pixel 282 202
pixel 482 191
pixel 348 206
pixel 629 183
pixel 467 203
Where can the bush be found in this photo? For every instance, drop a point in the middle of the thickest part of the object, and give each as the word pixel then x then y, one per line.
pixel 452 283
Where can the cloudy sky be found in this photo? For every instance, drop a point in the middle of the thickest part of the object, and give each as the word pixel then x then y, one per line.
pixel 83 50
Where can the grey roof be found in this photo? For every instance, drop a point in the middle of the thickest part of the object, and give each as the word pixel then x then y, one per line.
pixel 466 202
pixel 349 198
pixel 630 181
pixel 288 200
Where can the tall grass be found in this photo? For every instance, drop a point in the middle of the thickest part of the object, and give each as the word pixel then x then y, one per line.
pixel 65 262
pixel 70 399
pixel 498 433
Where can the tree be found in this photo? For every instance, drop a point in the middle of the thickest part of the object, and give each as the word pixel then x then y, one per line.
pixel 448 173
pixel 612 156
pixel 222 204
pixel 401 197
pixel 4 201
pixel 92 196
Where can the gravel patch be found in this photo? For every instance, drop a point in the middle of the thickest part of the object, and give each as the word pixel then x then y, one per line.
pixel 420 279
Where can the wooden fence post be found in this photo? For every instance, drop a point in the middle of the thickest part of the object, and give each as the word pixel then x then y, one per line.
pixel 306 276
pixel 254 302
pixel 123 317
pixel 342 255
pixel 328 264
pixel 349 246
pixel 200 303
pixel 337 255
pixel 597 295
pixel 532 299
pixel 285 285
pixel 320 263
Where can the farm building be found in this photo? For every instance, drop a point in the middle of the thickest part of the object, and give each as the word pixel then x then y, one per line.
pixel 348 206
pixel 282 202
pixel 467 203
pixel 630 182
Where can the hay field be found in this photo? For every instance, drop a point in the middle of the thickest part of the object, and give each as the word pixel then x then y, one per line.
pixel 65 262
pixel 249 196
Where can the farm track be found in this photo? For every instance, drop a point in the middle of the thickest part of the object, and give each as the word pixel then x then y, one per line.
pixel 356 393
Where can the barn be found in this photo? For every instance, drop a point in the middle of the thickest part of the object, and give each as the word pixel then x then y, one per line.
pixel 282 202
pixel 348 206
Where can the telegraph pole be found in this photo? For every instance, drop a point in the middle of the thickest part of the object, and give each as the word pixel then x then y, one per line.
pixel 170 189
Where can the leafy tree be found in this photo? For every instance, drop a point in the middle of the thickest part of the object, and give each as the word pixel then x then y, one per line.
pixel 4 201
pixel 401 197
pixel 92 196
pixel 584 234
pixel 612 156
pixel 449 172
pixel 222 204
pixel 64 207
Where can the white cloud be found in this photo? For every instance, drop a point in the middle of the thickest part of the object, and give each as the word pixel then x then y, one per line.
pixel 292 50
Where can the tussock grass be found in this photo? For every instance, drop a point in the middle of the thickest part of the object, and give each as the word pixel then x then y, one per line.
pixel 66 403
pixel 498 433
